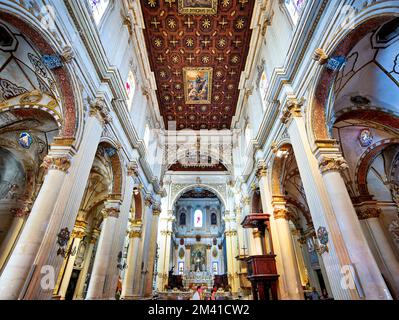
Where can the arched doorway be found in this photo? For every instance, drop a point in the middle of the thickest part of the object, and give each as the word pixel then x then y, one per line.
pixel 103 187
pixel 198 248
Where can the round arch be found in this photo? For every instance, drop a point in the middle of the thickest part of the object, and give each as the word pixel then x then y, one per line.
pixel 116 163
pixel 277 164
pixel 204 186
pixel 63 76
pixel 366 160
pixel 341 46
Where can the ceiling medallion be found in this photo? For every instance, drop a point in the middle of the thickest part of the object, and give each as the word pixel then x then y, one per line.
pixel 198 85
pixel 366 138
pixel 25 140
pixel 198 7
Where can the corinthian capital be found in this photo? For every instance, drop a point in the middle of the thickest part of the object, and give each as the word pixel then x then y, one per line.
pixel 20 212
pixel 67 54
pixel 328 164
pixel 62 163
pixel 281 214
pixel 132 169
pixel 156 209
pixel 100 110
pixel 368 213
pixel 261 171
pixel 110 213
pixel 148 201
pixel 292 109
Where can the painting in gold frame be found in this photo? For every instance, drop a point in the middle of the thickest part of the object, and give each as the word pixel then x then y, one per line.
pixel 198 85
pixel 199 7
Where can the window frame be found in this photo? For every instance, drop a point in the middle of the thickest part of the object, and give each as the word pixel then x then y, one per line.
pixel 196 226
pixel 104 15
pixel 294 24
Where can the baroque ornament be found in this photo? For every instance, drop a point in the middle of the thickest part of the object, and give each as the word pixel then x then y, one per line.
pixel 333 164
pixel 57 163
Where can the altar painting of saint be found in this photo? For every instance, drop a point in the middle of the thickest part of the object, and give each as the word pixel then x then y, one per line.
pixel 198 85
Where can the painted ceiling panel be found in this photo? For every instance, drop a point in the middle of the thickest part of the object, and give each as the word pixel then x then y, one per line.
pixel 197 51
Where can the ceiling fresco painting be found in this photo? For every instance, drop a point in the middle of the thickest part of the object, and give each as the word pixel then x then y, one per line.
pixel 197 51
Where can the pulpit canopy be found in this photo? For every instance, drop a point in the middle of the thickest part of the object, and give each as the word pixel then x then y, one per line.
pixel 256 220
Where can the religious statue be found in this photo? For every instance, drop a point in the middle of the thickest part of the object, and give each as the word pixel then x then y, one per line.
pixel 198 260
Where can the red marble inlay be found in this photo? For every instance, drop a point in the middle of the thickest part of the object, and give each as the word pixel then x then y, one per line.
pixel 61 74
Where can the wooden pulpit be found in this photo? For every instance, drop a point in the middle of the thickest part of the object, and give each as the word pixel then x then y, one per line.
pixel 262 269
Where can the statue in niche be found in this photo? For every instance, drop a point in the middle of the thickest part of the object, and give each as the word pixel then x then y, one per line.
pixel 182 219
pixel 214 219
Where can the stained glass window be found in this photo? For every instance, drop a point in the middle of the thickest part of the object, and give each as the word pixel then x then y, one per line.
pixel 295 8
pixel 98 8
pixel 198 219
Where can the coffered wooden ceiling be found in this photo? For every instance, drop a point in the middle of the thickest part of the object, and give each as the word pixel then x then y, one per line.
pixel 197 50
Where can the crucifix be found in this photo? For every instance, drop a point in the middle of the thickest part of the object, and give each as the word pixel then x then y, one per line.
pixel 244 248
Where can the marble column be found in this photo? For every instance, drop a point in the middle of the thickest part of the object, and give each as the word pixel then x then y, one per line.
pixel 142 261
pixel 187 256
pixel 134 242
pixel 303 272
pixel 312 276
pixel 369 217
pixel 294 285
pixel 113 275
pixel 67 204
pixel 156 211
pixel 20 215
pixel 80 286
pixel 278 249
pixel 78 233
pixel 165 243
pixel 337 258
pixel 362 260
pixel 21 260
pixel 103 254
pixel 232 251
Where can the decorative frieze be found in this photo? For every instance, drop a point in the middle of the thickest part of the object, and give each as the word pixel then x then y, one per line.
pixel 57 163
